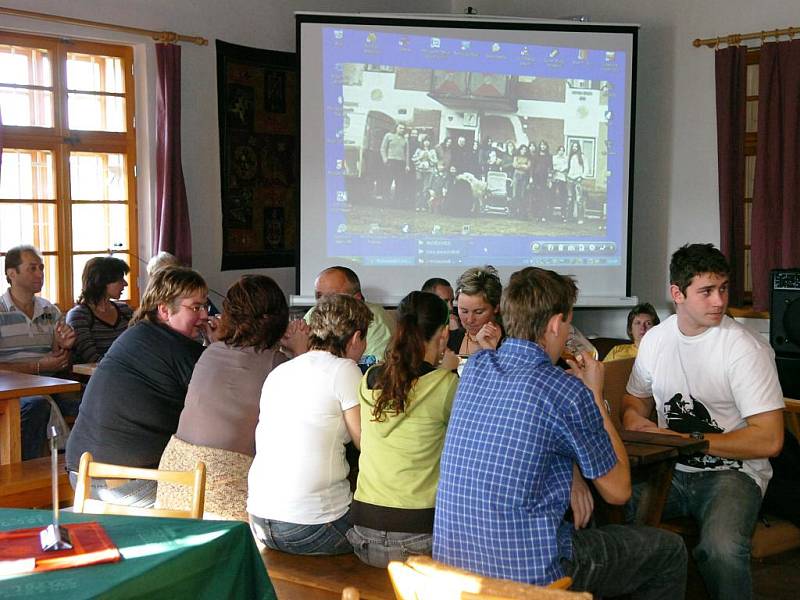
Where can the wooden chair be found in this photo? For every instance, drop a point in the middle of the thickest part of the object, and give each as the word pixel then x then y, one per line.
pixel 195 479
pixel 422 578
pixel 351 593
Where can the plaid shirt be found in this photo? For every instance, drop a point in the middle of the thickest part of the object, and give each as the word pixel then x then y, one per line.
pixel 518 425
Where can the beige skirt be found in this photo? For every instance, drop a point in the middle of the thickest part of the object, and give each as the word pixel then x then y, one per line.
pixel 226 480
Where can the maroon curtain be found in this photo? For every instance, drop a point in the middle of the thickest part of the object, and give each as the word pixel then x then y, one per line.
pixel 172 228
pixel 1 142
pixel 731 73
pixel 776 205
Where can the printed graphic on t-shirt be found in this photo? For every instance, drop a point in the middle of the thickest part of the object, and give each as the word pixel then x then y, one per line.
pixel 686 417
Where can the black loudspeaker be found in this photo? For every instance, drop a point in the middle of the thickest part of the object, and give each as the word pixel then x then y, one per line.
pixel 789 375
pixel 784 321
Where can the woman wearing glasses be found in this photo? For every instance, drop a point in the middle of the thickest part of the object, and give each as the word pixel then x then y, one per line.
pixel 133 401
pixel 98 319
pixel 218 422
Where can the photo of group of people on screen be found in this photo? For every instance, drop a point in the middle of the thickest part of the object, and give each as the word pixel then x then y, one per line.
pixel 462 177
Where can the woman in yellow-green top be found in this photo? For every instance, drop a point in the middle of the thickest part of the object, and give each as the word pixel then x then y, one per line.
pixel 642 318
pixel 405 407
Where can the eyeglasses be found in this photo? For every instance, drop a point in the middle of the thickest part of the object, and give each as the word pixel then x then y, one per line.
pixel 196 308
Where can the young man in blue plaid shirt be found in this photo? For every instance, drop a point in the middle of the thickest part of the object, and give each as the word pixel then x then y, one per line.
pixel 521 433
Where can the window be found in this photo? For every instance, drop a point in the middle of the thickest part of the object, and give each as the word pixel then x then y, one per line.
pixel 750 141
pixel 69 156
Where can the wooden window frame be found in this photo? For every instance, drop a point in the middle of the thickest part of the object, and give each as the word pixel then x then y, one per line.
pixel 750 147
pixel 60 140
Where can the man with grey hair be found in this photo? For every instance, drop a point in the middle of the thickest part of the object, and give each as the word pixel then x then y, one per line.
pixel 34 339
pixel 342 280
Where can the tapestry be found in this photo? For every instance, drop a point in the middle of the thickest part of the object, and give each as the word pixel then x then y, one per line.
pixel 257 93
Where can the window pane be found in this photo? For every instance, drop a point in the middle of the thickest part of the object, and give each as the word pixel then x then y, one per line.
pixel 28 224
pixel 91 112
pixel 79 262
pixel 99 226
pixel 50 287
pixel 98 176
pixel 88 72
pixel 25 66
pixel 25 107
pixel 27 175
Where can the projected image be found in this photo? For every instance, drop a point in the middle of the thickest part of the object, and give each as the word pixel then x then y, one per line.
pixel 452 151
pixel 473 145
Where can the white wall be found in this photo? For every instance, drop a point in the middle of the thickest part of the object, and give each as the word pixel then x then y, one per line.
pixel 675 191
pixel 675 175
pixel 267 24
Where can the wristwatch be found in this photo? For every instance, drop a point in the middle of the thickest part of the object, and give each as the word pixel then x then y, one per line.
pixel 697 435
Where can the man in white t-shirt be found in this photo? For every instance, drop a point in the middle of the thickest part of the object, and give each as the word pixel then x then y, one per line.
pixel 711 378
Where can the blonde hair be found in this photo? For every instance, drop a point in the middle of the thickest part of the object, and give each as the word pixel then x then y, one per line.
pixel 334 321
pixel 167 286
pixel 483 281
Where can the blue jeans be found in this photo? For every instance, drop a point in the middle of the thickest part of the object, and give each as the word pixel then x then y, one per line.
pixel 613 560
pixel 140 493
pixel 34 413
pixel 324 538
pixel 378 548
pixel 725 505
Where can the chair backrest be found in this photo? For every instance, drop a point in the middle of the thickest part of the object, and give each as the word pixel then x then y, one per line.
pixel 616 380
pixel 88 469
pixel 422 578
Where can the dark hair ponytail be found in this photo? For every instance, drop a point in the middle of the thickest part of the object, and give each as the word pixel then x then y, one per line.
pixel 419 316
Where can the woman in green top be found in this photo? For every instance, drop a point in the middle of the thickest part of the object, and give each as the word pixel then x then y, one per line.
pixel 405 407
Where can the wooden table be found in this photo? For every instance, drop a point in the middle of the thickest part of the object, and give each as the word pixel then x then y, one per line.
pixel 87 369
pixel 652 458
pixel 14 386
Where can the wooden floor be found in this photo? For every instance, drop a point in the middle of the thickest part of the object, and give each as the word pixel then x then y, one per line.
pixel 774 578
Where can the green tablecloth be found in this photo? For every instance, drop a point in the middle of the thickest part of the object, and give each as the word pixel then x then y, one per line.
pixel 162 558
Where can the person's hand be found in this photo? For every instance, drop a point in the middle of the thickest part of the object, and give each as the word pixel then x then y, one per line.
pixel 65 335
pixel 295 339
pixel 590 371
pixel 54 361
pixel 489 336
pixel 449 360
pixel 580 500
pixel 210 329
pixel 455 322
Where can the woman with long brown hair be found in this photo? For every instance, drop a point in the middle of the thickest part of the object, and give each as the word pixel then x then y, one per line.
pixel 405 407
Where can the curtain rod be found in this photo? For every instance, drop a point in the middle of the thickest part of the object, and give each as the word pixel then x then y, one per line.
pixel 159 36
pixel 737 38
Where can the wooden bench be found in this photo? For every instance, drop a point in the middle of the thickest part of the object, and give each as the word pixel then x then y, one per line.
pixel 324 577
pixel 27 484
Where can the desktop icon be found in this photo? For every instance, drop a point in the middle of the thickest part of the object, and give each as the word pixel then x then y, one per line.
pixel 465 44
pixel 435 42
pixel 553 53
pixel 495 47
pixel 371 38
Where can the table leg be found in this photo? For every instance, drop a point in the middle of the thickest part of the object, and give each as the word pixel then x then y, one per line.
pixel 654 497
pixel 10 432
